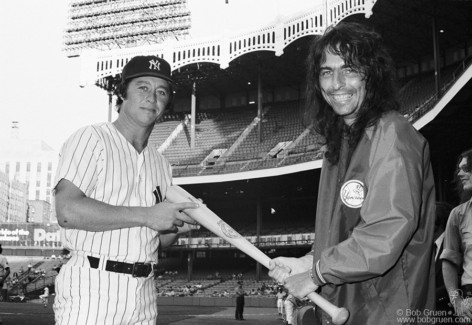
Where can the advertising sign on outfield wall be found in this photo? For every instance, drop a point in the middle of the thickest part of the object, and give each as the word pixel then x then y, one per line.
pixel 30 234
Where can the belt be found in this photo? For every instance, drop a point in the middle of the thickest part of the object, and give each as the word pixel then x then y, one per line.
pixel 141 270
pixel 467 290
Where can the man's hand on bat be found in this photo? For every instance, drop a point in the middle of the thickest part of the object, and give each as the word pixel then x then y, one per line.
pixel 294 274
pixel 300 285
pixel 281 267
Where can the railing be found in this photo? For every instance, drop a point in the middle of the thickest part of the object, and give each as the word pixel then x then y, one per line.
pixel 260 244
pixel 22 288
pixel 434 99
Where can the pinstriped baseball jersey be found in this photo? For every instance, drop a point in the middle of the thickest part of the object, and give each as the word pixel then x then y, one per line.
pixel 105 166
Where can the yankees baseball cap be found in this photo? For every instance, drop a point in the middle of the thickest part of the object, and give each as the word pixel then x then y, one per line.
pixel 149 65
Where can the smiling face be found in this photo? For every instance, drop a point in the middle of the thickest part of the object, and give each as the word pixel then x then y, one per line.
pixel 342 86
pixel 465 175
pixel 146 100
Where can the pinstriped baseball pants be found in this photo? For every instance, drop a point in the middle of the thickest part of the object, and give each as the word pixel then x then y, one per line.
pixel 92 296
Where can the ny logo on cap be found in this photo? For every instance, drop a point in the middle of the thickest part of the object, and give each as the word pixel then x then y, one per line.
pixel 155 65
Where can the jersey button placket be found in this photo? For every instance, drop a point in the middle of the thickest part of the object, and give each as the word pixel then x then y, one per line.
pixel 139 180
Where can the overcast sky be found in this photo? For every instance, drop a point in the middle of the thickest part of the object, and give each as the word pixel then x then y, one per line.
pixel 39 84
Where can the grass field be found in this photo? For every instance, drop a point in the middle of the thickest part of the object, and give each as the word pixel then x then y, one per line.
pixel 35 314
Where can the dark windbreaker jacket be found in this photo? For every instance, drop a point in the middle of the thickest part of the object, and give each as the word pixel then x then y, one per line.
pixel 374 226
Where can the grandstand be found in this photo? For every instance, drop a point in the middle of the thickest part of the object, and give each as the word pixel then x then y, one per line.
pixel 234 135
pixel 255 163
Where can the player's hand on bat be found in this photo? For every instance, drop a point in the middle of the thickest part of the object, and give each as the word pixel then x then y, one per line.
pixel 188 227
pixel 281 267
pixel 300 285
pixel 167 216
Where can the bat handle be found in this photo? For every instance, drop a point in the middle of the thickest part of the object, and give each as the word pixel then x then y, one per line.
pixel 339 315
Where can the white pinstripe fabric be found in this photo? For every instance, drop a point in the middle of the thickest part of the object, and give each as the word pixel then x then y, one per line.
pixel 106 167
pixel 91 296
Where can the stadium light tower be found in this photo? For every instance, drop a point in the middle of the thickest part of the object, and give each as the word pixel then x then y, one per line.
pixel 117 24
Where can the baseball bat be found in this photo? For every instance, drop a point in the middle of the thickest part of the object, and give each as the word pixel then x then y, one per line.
pixel 215 224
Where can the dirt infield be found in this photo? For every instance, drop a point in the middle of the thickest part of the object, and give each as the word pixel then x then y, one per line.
pixel 35 314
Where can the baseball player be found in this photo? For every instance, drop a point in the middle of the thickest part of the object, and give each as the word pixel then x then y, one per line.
pixel 281 295
pixel 110 201
pixel 44 297
pixel 4 271
pixel 290 305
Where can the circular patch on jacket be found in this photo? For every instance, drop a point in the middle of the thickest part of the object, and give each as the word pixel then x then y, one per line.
pixel 352 193
pixel 227 230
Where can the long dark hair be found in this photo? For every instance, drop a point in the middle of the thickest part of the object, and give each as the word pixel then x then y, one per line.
pixel 363 50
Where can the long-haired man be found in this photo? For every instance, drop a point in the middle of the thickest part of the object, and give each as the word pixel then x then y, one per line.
pixel 375 213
